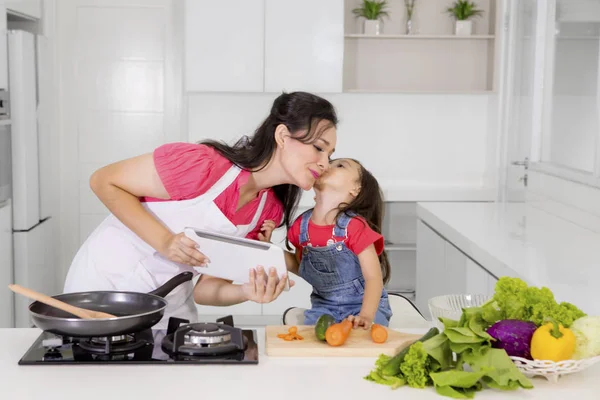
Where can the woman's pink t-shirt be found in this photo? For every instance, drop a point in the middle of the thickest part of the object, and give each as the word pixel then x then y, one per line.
pixel 188 170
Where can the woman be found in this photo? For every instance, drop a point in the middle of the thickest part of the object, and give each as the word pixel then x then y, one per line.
pixel 227 189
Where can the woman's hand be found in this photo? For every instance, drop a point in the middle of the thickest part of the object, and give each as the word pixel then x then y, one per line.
pixel 266 231
pixel 360 321
pixel 181 249
pixel 263 288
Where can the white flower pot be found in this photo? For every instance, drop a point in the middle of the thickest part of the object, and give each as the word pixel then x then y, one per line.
pixel 463 28
pixel 372 27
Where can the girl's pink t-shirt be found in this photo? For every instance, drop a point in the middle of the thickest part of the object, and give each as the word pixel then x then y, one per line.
pixel 188 170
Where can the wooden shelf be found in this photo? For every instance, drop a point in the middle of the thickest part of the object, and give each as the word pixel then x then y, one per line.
pixel 418 37
pixel 433 61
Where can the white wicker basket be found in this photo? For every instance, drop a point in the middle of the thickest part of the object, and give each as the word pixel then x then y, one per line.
pixel 552 370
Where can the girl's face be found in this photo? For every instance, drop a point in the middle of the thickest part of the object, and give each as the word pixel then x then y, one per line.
pixel 304 163
pixel 343 177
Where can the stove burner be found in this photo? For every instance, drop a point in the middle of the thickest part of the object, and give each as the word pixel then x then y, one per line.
pixel 207 335
pixel 182 343
pixel 112 344
pixel 203 339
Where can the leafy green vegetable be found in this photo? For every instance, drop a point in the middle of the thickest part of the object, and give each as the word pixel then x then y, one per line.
pixel 513 299
pixel 430 361
pixel 458 384
pixel 415 366
pixel 377 377
pixel 500 371
pixel 438 348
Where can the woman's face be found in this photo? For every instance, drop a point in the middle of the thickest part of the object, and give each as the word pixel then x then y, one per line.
pixel 305 163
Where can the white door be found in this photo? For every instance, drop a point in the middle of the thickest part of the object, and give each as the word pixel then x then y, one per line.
pixel 6 266
pixel 34 266
pixel 25 165
pixel 3 49
pixel 519 97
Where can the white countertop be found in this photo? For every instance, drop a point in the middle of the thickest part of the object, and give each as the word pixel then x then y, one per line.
pixel 272 378
pixel 518 240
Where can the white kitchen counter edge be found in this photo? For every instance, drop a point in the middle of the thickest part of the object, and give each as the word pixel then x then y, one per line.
pixel 482 257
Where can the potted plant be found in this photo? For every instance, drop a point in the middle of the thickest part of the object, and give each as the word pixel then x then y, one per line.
pixel 462 11
pixel 372 11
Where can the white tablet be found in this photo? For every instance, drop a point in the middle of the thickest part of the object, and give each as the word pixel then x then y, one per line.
pixel 232 257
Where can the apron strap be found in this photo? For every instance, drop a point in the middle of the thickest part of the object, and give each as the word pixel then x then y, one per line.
pixel 223 183
pixel 259 211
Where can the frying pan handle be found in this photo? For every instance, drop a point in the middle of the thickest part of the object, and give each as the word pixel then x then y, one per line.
pixel 172 283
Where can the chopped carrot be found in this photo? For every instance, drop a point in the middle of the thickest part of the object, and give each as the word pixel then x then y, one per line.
pixel 291 335
pixel 337 334
pixel 378 333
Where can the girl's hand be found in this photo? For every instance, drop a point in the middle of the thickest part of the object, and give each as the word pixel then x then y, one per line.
pixel 266 231
pixel 181 249
pixel 263 288
pixel 360 321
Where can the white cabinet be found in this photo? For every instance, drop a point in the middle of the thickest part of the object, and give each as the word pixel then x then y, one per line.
pixel 6 267
pixel 431 251
pixel 304 45
pixel 443 269
pixel 224 45
pixel 3 49
pixel 25 8
pixel 479 281
pixel 264 45
pixel 455 269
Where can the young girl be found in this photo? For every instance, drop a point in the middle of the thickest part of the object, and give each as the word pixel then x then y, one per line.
pixel 339 247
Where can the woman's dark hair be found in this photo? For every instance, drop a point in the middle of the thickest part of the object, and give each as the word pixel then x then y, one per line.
pixel 298 111
pixel 369 205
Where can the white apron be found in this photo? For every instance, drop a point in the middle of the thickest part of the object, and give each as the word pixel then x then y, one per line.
pixel 115 258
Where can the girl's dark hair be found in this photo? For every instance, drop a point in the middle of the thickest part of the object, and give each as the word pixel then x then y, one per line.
pixel 369 205
pixel 298 111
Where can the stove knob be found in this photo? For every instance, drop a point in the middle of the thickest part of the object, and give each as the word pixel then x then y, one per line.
pixel 52 355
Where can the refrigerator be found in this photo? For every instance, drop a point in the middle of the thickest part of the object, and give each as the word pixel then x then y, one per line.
pixel 33 230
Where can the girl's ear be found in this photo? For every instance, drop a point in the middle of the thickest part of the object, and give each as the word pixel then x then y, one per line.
pixel 280 135
pixel 355 191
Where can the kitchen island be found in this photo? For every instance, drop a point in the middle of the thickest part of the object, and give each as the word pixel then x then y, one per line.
pixel 272 378
pixel 470 245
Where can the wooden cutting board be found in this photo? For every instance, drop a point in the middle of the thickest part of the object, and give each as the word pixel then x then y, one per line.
pixel 359 343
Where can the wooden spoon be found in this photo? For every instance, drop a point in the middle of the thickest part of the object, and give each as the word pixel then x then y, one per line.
pixel 61 305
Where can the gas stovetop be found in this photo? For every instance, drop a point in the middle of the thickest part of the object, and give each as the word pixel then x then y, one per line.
pixel 182 343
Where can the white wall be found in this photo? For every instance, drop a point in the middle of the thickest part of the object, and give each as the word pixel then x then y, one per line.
pixel 406 140
pixel 120 81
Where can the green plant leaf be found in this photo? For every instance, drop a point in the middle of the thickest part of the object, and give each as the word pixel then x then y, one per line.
pixel 371 10
pixel 463 10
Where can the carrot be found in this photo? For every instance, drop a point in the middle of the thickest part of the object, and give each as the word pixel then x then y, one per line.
pixel 337 334
pixel 378 333
pixel 291 335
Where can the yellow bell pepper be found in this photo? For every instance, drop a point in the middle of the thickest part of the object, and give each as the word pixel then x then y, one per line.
pixel 553 342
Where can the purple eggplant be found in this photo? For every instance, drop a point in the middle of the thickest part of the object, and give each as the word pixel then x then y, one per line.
pixel 514 336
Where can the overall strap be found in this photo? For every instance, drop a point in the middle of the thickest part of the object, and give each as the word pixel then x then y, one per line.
pixel 304 227
pixel 341 224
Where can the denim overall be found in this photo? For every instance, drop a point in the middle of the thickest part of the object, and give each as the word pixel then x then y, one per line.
pixel 335 275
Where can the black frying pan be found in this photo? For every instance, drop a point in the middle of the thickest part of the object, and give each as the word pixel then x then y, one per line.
pixel 134 311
